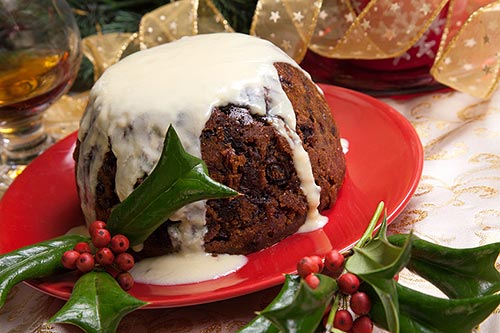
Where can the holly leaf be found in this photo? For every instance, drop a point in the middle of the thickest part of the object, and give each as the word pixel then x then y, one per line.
pixel 376 263
pixel 33 261
pixel 261 324
pixel 297 308
pixel 459 273
pixel 177 180
pixel 97 304
pixel 422 313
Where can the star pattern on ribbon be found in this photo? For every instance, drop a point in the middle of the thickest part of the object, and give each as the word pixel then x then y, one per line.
pixel 467 58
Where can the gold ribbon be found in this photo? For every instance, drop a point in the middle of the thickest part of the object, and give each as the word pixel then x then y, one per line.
pixel 468 59
pixel 469 56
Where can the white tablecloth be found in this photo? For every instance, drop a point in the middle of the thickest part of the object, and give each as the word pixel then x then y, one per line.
pixel 456 204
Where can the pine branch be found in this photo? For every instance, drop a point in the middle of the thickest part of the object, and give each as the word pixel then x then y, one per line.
pixel 239 13
pixel 106 16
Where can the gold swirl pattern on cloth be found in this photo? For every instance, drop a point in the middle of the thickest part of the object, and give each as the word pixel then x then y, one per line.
pixel 468 59
pixel 457 203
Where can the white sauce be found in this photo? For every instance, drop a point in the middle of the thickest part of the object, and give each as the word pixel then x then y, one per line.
pixel 345 145
pixel 191 267
pixel 180 83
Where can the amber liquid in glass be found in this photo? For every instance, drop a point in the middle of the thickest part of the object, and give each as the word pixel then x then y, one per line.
pixel 29 81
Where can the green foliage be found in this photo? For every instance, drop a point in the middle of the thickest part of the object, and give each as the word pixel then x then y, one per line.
pixel 106 16
pixel 111 15
pixel 377 263
pixel 468 276
pixel 97 304
pixel 459 273
pixel 422 313
pixel 297 308
pixel 238 13
pixel 34 261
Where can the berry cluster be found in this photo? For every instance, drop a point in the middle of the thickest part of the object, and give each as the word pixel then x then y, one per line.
pixel 109 252
pixel 351 314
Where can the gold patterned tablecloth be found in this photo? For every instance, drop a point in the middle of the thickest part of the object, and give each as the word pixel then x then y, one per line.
pixel 457 204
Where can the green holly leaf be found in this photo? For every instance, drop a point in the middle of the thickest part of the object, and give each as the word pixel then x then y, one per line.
pixel 97 304
pixel 177 179
pixel 468 276
pixel 261 324
pixel 459 273
pixel 34 261
pixel 470 284
pixel 297 308
pixel 422 313
pixel 376 263
pixel 288 315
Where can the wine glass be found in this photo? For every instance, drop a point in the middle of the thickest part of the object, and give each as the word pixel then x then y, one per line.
pixel 39 59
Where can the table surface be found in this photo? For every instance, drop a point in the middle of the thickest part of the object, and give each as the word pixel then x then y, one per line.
pixel 456 204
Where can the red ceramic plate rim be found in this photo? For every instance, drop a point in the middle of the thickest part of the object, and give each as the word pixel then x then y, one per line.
pixel 384 163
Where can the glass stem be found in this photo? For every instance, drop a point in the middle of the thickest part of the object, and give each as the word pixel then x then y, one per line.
pixel 23 140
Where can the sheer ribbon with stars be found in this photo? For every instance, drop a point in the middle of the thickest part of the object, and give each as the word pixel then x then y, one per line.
pixel 468 58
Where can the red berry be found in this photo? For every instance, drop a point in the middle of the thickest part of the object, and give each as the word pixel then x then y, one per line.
pixel 101 238
pixel 125 280
pixel 104 256
pixel 307 266
pixel 82 247
pixel 319 261
pixel 96 225
pixel 343 320
pixel 124 262
pixel 360 303
pixel 362 324
pixel 119 243
pixel 312 281
pixel 85 262
pixel 69 259
pixel 334 261
pixel 348 283
pixel 396 277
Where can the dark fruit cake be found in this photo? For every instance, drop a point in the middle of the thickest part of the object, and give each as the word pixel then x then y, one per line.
pixel 257 120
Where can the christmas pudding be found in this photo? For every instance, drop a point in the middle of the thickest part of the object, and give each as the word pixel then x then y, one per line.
pixel 238 102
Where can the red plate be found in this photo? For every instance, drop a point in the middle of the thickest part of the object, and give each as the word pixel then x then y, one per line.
pixel 384 163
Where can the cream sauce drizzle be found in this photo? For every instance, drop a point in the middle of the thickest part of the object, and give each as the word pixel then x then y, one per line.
pixel 180 83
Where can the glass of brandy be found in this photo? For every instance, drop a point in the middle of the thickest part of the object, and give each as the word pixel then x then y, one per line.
pixel 39 59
